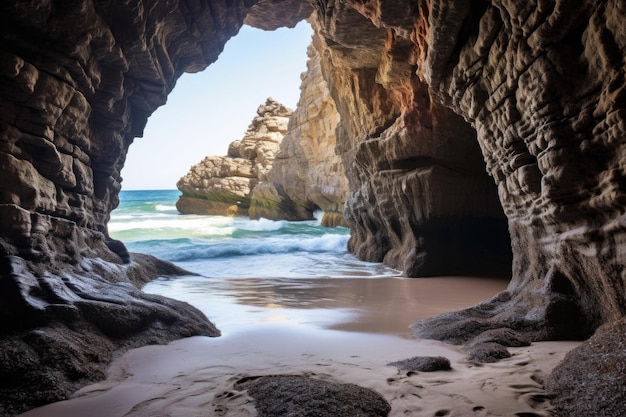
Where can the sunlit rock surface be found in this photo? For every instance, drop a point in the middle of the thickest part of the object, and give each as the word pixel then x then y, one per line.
pixel 222 185
pixel 541 84
pixel 307 174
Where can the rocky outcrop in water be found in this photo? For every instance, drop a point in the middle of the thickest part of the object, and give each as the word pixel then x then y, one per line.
pixel 307 174
pixel 285 167
pixel 541 84
pixel 222 185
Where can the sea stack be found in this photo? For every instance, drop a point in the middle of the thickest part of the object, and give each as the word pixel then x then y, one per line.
pixel 307 175
pixel 222 185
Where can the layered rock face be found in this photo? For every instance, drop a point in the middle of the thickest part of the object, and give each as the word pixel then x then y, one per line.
pixel 420 198
pixel 307 174
pixel 78 80
pixel 222 185
pixel 542 88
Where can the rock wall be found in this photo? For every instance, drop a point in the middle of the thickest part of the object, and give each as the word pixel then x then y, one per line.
pixel 307 174
pixel 544 89
pixel 223 185
pixel 78 80
pixel 421 200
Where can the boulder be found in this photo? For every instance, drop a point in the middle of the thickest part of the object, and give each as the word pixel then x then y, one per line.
pixel 303 395
pixel 590 380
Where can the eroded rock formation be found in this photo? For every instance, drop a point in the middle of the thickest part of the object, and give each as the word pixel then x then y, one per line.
pixel 222 185
pixel 541 83
pixel 307 175
pixel 590 380
pixel 77 82
pixel 420 198
pixel 544 89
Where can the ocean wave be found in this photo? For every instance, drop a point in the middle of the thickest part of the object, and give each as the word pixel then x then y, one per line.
pixel 229 248
pixel 164 227
pixel 260 225
pixel 124 217
pixel 225 247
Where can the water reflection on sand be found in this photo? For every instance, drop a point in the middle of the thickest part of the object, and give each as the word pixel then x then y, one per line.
pixel 371 305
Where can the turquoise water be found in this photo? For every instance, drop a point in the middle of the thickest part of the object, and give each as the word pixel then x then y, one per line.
pixel 216 246
pixel 260 274
pixel 248 272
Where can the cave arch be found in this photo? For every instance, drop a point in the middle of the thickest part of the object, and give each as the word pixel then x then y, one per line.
pixel 79 80
pixel 206 111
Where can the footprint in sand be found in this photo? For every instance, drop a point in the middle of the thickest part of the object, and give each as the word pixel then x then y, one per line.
pixel 532 395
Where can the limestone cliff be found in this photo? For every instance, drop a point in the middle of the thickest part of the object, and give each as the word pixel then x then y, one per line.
pixel 307 174
pixel 541 83
pixel 222 185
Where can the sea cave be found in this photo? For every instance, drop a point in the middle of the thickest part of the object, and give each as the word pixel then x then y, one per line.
pixel 482 137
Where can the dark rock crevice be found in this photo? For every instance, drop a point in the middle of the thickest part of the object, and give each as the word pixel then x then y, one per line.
pixel 419 191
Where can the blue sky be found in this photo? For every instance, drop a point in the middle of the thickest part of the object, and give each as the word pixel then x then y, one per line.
pixel 208 110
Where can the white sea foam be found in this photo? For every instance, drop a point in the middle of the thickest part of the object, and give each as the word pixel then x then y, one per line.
pixel 260 225
pixel 163 207
pixel 293 245
pixel 137 228
pixel 318 215
pixel 327 243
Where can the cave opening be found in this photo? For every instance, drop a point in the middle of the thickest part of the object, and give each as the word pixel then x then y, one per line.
pixel 206 115
pixel 209 109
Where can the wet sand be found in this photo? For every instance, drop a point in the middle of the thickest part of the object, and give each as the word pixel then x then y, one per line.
pixel 294 330
pixel 370 305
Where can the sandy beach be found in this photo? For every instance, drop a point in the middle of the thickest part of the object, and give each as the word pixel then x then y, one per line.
pixel 198 376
